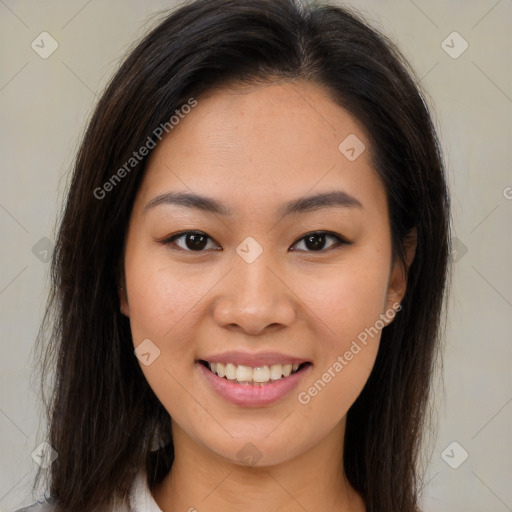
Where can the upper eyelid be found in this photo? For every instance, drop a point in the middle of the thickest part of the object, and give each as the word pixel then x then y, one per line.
pixel 339 238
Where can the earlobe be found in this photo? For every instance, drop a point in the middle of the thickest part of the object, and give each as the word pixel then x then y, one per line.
pixel 398 278
pixel 123 299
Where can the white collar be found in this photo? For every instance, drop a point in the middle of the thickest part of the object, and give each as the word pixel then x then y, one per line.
pixel 140 497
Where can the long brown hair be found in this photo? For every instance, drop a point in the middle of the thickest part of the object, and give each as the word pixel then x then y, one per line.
pixel 102 414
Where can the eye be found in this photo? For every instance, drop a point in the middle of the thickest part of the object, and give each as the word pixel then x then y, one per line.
pixel 315 242
pixel 195 241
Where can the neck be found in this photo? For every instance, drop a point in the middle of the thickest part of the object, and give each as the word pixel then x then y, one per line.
pixel 201 480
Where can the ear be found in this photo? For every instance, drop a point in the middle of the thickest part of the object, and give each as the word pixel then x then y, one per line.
pixel 398 280
pixel 123 298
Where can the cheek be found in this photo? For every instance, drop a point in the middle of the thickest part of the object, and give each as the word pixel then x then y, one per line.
pixel 348 304
pixel 164 305
pixel 346 299
pixel 162 299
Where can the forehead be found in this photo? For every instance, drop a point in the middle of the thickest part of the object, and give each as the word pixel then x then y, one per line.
pixel 273 141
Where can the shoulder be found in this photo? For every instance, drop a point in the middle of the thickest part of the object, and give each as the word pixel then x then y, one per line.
pixel 38 506
pixel 140 500
pixel 48 506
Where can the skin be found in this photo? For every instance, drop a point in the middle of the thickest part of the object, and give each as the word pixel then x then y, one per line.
pixel 253 148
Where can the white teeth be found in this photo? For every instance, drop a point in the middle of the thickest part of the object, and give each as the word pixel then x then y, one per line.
pixel 243 373
pixel 230 371
pixel 276 371
pixel 221 370
pixel 248 375
pixel 261 374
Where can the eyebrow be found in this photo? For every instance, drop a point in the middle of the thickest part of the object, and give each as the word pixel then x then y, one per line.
pixel 335 198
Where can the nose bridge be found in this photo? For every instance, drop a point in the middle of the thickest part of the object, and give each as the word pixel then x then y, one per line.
pixel 254 297
pixel 255 280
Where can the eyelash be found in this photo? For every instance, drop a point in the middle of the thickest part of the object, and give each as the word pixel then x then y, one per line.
pixel 339 240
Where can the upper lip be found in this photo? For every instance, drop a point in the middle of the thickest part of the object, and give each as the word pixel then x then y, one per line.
pixel 254 360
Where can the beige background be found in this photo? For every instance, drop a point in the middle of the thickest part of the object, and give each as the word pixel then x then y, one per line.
pixel 45 104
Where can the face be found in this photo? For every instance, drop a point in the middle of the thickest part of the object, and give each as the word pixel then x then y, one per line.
pixel 230 259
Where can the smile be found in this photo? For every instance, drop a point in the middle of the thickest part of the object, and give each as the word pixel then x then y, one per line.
pixel 255 376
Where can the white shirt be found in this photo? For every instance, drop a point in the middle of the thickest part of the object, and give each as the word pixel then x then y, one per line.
pixel 139 499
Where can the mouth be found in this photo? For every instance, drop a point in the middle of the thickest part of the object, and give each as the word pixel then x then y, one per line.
pixel 254 375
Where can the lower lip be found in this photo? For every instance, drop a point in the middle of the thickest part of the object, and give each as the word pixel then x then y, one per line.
pixel 248 395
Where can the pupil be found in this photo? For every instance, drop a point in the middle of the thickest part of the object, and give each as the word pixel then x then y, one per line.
pixel 315 241
pixel 196 241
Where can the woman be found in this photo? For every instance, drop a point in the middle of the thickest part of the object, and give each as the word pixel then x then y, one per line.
pixel 249 274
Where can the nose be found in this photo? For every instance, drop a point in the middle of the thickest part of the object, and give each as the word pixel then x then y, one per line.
pixel 254 297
